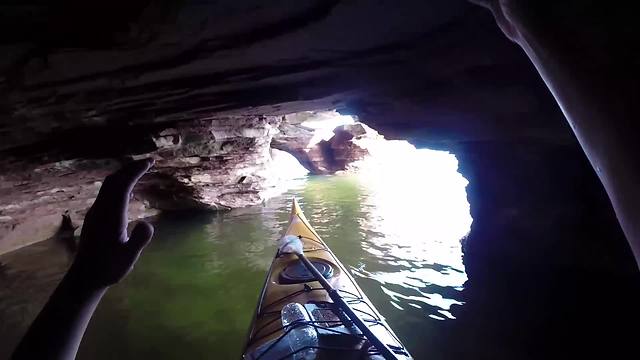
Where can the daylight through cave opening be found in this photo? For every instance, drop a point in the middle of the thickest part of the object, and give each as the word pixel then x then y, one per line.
pixel 415 199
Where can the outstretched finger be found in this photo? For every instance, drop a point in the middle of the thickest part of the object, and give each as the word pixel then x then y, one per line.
pixel 116 189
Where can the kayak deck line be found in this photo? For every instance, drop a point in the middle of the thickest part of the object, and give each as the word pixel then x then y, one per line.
pixel 286 283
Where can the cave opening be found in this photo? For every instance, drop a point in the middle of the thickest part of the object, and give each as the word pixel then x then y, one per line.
pixel 415 200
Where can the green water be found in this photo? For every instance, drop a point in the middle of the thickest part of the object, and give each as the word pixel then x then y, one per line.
pixel 193 293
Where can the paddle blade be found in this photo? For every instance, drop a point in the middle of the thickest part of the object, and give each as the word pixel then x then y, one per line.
pixel 290 244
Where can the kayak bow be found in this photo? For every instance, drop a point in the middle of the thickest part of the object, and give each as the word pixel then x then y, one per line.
pixel 331 331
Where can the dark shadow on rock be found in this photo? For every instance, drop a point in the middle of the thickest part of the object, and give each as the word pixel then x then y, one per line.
pixel 550 272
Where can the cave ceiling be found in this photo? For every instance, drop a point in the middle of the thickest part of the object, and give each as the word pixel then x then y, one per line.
pixel 75 73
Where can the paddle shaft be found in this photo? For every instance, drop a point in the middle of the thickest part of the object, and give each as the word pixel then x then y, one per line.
pixel 386 352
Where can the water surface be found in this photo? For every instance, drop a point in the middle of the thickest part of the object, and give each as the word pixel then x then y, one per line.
pixel 193 293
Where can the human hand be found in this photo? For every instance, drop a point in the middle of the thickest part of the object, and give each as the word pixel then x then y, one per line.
pixel 105 254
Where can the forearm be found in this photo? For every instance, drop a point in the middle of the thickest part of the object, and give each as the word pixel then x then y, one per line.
pixel 57 331
pixel 595 93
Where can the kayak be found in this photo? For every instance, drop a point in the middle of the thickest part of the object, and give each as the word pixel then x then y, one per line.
pixel 296 318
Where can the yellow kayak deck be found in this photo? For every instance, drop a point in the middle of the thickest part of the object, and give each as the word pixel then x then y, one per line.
pixel 267 328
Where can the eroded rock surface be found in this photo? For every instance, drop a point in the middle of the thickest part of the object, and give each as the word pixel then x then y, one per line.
pixel 212 164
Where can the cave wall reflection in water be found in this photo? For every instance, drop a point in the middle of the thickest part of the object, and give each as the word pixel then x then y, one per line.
pixel 195 288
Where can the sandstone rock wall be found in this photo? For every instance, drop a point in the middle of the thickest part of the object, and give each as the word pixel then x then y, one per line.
pixel 33 198
pixel 213 164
